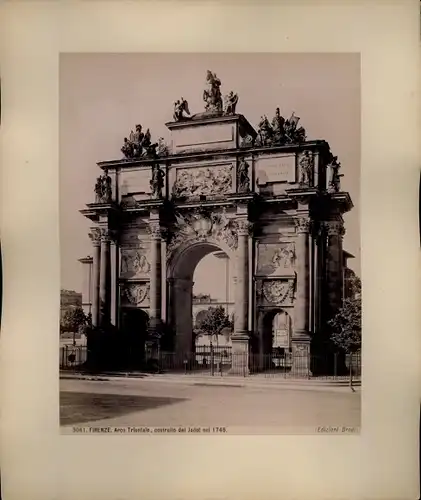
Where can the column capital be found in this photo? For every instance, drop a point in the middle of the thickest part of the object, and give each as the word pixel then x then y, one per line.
pixel 335 228
pixel 95 236
pixel 302 224
pixel 106 235
pixel 155 230
pixel 244 227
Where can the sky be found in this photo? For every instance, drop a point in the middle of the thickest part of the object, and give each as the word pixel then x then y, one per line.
pixel 103 96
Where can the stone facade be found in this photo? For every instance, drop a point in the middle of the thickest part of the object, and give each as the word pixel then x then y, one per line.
pixel 280 222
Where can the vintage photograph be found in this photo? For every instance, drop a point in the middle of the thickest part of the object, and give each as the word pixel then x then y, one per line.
pixel 210 243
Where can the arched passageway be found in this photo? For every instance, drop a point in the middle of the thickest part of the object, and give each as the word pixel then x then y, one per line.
pixel 180 291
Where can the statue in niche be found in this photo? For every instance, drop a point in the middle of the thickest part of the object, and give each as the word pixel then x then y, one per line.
pixel 334 184
pixel 230 103
pixel 212 94
pixel 103 189
pixel 306 169
pixel 243 181
pixel 278 124
pixel 157 181
pixel 181 106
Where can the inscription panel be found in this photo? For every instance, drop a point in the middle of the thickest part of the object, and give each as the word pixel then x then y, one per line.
pixel 211 136
pixel 135 182
pixel 275 169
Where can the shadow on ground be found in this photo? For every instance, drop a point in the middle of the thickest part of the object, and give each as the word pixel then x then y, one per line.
pixel 83 407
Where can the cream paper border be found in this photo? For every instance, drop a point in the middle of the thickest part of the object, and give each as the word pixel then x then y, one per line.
pixel 38 463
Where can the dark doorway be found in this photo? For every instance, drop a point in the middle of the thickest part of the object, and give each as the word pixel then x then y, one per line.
pixel 134 330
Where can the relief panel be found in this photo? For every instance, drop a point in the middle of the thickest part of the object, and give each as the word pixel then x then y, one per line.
pixel 134 262
pixel 209 180
pixel 276 259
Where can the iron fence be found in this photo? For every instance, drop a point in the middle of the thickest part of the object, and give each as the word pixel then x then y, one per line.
pixel 73 357
pixel 222 361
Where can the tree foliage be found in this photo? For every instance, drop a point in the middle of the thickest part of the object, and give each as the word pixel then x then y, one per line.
pixel 73 320
pixel 346 325
pixel 213 322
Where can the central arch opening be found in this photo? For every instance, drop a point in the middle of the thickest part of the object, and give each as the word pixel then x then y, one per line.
pixel 200 279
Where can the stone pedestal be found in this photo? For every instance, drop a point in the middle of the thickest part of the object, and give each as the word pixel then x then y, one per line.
pixel 95 236
pixel 240 337
pixel 301 337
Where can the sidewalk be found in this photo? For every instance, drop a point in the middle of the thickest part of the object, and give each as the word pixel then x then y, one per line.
pixel 252 381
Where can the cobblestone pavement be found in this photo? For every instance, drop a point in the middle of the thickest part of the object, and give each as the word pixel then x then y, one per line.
pixel 157 403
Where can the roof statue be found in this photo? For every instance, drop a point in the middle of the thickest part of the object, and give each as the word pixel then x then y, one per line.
pixel 230 103
pixel 181 106
pixel 212 93
pixel 334 179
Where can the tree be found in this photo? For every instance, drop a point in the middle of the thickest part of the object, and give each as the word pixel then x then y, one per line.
pixel 346 324
pixel 74 319
pixel 213 322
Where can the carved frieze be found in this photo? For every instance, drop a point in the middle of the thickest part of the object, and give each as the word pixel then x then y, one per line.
pixel 198 226
pixel 135 294
pixel 203 181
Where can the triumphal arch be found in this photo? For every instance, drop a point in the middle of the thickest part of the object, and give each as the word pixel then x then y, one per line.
pixel 267 197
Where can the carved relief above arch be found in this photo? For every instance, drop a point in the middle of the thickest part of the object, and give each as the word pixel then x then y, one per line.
pixel 200 226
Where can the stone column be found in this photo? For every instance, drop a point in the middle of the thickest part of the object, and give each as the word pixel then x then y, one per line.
pixel 155 284
pixel 301 336
pixel 334 286
pixel 240 337
pixel 335 233
pixel 95 236
pixel 105 278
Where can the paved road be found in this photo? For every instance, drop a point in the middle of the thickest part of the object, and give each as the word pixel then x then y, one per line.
pixel 131 402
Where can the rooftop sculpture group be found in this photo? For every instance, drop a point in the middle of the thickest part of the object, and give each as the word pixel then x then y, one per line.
pixel 280 131
pixel 212 96
pixel 139 145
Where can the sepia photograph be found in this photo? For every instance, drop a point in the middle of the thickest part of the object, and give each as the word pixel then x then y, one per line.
pixel 210 243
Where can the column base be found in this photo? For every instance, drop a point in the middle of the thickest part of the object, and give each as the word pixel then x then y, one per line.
pixel 301 365
pixel 240 354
